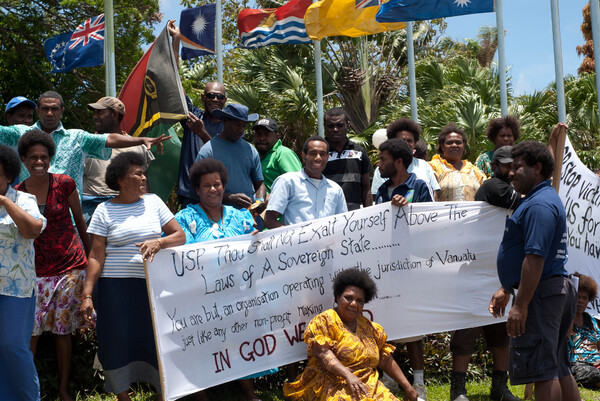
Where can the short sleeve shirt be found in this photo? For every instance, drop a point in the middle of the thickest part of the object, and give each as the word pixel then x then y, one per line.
pixel 73 146
pixel 124 225
pixel 413 189
pixel 279 160
pixel 346 169
pixel 538 226
pixel 198 227
pixel 17 259
pixel 298 199
pixel 241 160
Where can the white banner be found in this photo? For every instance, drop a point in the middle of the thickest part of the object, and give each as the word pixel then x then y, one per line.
pixel 580 193
pixel 229 308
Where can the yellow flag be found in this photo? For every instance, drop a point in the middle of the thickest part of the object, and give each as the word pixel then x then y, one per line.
pixel 345 18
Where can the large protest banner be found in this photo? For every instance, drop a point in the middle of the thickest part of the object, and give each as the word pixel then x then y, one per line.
pixel 229 308
pixel 580 193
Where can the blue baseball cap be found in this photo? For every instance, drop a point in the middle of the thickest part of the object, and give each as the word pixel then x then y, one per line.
pixel 19 100
pixel 235 111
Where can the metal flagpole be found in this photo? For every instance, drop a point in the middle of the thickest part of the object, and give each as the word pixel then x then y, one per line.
pixel 501 58
pixel 319 83
pixel 595 17
pixel 558 64
pixel 219 42
pixel 109 49
pixel 412 85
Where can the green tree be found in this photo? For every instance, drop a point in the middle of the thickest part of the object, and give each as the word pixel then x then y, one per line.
pixel 24 69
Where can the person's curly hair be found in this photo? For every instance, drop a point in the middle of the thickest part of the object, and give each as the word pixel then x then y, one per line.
pixel 534 152
pixel 451 128
pixel 421 150
pixel 36 137
pixel 207 166
pixel 496 124
pixel 11 165
pixel 119 167
pixel 587 285
pixel 398 149
pixel 357 278
pixel 403 124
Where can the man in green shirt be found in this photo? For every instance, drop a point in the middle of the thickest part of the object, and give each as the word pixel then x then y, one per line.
pixel 275 158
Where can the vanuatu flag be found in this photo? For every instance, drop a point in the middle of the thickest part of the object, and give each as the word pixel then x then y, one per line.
pixel 154 100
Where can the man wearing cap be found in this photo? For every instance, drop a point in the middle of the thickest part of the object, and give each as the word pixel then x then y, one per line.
pixel 108 114
pixel 245 182
pixel 497 191
pixel 19 110
pixel 275 158
pixel 73 146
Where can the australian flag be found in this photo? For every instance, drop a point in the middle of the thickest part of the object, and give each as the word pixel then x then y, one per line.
pixel 197 28
pixel 82 48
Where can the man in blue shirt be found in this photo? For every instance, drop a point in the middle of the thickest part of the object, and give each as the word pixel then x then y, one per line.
pixel 531 260
pixel 242 160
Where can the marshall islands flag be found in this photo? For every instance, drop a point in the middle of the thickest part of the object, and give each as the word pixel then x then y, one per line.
pixel 274 26
pixel 197 27
pixel 418 10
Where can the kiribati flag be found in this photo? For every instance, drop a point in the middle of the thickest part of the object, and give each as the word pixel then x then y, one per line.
pixel 82 48
pixel 198 31
pixel 273 26
pixel 418 10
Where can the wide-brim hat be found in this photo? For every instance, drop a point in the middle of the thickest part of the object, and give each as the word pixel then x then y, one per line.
pixel 235 111
pixel 19 100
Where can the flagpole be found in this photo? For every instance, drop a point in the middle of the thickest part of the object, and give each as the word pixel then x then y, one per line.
pixel 558 63
pixel 109 49
pixel 501 58
pixel 219 40
pixel 411 72
pixel 594 16
pixel 319 84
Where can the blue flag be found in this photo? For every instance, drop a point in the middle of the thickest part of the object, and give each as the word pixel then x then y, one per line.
pixel 197 28
pixel 418 10
pixel 82 48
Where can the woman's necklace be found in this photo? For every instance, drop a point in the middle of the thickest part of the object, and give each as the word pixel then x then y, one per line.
pixel 215 225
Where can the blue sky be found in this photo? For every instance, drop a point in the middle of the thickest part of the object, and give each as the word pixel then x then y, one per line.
pixel 528 27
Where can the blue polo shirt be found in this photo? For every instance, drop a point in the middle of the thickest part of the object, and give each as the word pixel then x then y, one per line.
pixel 413 189
pixel 538 226
pixel 241 160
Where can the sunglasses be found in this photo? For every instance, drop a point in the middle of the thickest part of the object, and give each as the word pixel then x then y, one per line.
pixel 211 95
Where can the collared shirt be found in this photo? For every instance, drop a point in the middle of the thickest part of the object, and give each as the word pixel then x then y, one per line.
pixel 346 169
pixel 298 199
pixel 17 259
pixel 190 146
pixel 420 167
pixel 73 146
pixel 539 227
pixel 241 160
pixel 413 189
pixel 277 161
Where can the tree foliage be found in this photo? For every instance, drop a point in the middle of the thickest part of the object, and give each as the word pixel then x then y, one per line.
pixel 24 69
pixel 587 49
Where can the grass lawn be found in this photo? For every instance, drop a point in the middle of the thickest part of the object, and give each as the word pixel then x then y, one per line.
pixel 477 391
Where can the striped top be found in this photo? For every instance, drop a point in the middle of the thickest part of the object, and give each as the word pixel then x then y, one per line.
pixel 124 225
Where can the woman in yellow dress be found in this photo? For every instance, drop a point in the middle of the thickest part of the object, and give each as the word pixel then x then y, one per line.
pixel 345 349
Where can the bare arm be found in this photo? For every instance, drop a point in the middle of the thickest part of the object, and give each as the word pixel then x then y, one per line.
pixel 530 278
pixel 174 237
pixel 498 302
pixel 389 366
pixel 75 206
pixel 331 364
pixel 176 35
pixel 29 227
pixel 261 190
pixel 93 271
pixel 365 189
pixel 271 221
pixel 126 141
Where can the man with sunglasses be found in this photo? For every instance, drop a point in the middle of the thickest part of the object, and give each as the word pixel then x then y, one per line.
pixel 199 128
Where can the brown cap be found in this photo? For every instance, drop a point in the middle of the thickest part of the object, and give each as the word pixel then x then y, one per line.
pixel 108 102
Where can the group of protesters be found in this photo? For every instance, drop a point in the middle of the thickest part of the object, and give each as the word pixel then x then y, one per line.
pixel 77 220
